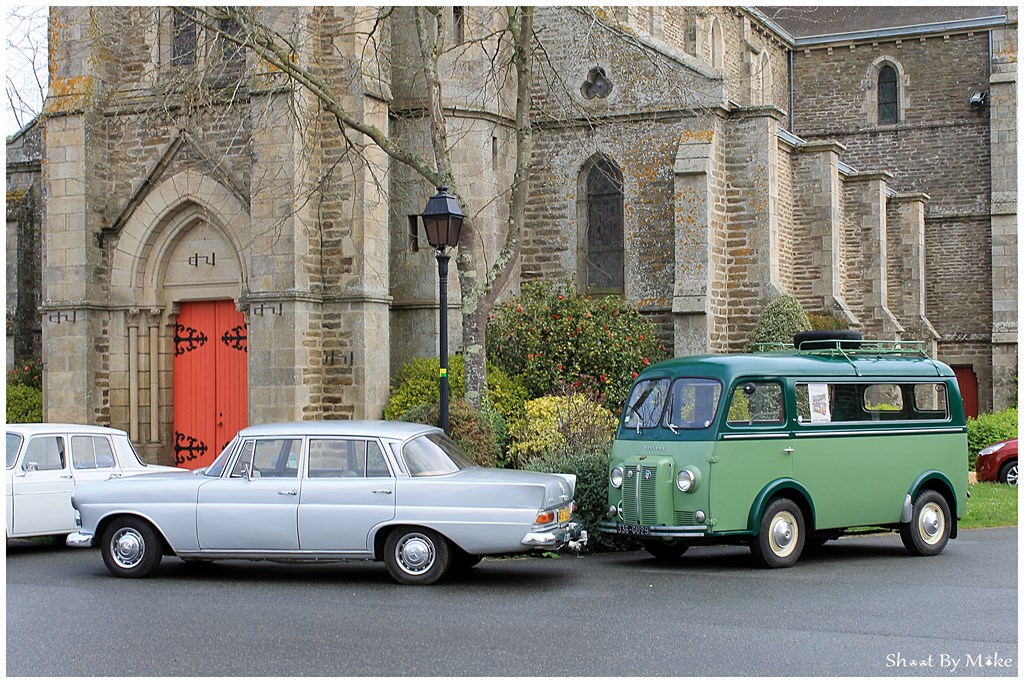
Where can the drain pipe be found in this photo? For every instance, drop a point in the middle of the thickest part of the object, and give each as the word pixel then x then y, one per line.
pixel 791 99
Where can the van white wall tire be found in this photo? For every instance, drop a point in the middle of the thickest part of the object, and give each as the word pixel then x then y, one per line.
pixel 666 550
pixel 928 529
pixel 780 540
pixel 131 548
pixel 416 557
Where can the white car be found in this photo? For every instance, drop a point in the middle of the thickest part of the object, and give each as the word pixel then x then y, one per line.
pixel 46 461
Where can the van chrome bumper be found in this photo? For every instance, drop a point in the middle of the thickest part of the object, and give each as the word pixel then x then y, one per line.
pixel 643 530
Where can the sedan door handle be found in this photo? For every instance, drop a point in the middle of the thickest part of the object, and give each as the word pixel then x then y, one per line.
pixel 384 491
pixel 67 476
pixel 787 451
pixel 287 493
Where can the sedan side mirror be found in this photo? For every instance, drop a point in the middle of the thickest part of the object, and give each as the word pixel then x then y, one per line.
pixel 246 473
pixel 31 467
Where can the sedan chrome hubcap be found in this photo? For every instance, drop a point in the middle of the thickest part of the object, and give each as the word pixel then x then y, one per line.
pixel 415 554
pixel 127 547
pixel 1011 476
pixel 784 533
pixel 931 524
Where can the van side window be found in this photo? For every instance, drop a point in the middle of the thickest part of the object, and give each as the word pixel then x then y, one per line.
pixel 882 398
pixel 819 403
pixel 756 403
pixel 930 401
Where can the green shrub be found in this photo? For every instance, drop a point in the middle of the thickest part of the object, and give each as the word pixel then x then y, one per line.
pixel 24 404
pixel 27 373
pixel 780 320
pixel 987 429
pixel 559 424
pixel 591 494
pixel 826 322
pixel 583 433
pixel 553 338
pixel 416 384
pixel 469 428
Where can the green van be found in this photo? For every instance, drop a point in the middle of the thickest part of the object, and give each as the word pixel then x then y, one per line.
pixel 784 450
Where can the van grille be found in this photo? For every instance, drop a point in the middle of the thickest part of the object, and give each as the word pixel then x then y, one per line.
pixel 639 496
pixel 685 518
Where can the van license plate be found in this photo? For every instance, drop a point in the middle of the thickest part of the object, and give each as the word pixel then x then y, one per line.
pixel 634 529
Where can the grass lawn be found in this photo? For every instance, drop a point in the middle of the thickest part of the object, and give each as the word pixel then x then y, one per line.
pixel 990 505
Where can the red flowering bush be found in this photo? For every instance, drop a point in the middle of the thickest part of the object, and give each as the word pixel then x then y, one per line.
pixel 553 338
pixel 27 373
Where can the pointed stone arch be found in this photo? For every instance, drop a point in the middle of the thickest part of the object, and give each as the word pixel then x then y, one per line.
pixel 176 207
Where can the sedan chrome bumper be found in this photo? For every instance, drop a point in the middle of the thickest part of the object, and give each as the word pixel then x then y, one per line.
pixel 572 535
pixel 79 540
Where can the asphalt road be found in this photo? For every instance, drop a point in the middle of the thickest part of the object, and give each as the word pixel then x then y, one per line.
pixel 858 607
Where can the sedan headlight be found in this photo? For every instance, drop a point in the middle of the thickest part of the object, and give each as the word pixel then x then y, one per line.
pixel 994 448
pixel 616 477
pixel 686 480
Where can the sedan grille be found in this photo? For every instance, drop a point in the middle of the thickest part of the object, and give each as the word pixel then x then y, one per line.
pixel 639 495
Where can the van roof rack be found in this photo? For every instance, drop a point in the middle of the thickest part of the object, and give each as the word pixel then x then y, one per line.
pixel 848 347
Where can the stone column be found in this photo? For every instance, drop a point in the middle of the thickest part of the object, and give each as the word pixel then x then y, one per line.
pixel 1003 131
pixel 906 267
pixel 694 197
pixel 867 283
pixel 817 217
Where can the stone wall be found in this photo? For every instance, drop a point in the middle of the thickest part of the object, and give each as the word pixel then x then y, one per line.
pixel 941 146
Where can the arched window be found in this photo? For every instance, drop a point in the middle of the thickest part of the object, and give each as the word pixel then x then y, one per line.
pixel 766 79
pixel 183 37
pixel 888 95
pixel 717 45
pixel 604 256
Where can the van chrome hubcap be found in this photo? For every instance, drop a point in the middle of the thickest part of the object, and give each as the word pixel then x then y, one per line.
pixel 931 524
pixel 784 533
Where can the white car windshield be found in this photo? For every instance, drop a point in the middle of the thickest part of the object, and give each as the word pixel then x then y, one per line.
pixel 13 444
pixel 434 454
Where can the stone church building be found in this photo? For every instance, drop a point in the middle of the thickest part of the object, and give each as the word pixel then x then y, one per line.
pixel 210 257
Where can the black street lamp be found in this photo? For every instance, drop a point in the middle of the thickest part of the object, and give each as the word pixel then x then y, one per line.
pixel 442 220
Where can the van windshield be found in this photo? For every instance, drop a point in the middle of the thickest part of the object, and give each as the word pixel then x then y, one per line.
pixel 692 403
pixel 684 403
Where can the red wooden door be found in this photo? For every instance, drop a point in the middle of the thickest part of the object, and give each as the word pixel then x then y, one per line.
pixel 210 380
pixel 968 383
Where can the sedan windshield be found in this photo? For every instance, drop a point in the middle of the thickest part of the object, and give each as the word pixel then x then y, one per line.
pixel 216 468
pixel 13 444
pixel 433 454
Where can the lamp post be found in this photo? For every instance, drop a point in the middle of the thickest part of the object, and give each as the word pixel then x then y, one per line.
pixel 442 221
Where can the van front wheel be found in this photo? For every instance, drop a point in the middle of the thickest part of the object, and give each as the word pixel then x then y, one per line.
pixel 928 529
pixel 666 550
pixel 782 535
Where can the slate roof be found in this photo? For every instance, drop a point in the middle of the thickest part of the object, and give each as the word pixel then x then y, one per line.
pixel 802 22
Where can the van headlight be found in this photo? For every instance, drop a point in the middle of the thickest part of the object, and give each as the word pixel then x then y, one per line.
pixel 686 480
pixel 616 477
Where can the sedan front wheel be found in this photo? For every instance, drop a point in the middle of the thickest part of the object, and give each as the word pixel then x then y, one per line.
pixel 417 557
pixel 131 548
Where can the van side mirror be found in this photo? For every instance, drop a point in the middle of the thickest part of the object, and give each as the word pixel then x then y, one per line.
pixel 32 467
pixel 749 388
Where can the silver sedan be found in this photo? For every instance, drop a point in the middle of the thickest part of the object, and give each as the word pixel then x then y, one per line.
pixel 323 491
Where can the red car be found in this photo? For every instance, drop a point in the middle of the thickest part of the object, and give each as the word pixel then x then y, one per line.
pixel 998 462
